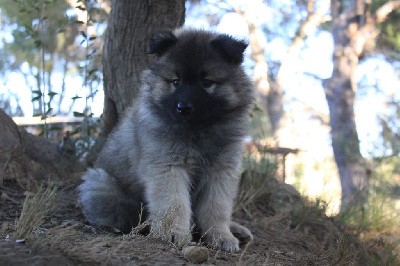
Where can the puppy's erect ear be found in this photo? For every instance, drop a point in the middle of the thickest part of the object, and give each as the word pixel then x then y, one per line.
pixel 230 48
pixel 160 42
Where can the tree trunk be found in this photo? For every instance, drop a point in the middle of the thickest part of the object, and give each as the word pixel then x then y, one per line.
pixel 30 159
pixel 353 30
pixel 340 92
pixel 130 26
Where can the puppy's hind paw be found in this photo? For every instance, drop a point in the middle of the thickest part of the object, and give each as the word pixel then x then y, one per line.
pixel 242 233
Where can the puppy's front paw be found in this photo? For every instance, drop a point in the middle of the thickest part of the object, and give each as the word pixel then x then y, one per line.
pixel 177 236
pixel 181 238
pixel 224 241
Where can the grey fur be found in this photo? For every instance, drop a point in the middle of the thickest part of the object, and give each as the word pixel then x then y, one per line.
pixel 181 172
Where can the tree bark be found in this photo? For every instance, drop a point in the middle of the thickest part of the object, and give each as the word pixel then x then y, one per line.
pixel 353 30
pixel 340 92
pixel 130 26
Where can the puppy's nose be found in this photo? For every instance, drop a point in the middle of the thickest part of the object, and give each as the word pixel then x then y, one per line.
pixel 184 108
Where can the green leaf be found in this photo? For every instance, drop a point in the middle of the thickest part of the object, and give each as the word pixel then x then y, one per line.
pixel 75 131
pixel 28 28
pixel 37 98
pixel 81 7
pixel 37 114
pixel 38 43
pixel 52 93
pixel 92 71
pixel 84 34
pixel 79 22
pixel 55 128
pixel 38 92
pixel 79 114
pixel 76 97
pixel 49 111
pixel 257 108
pixel 91 38
pixel 95 77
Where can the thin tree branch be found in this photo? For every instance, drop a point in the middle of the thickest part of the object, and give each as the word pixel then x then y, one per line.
pixel 383 12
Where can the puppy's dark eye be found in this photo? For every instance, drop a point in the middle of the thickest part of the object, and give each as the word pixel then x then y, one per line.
pixel 207 83
pixel 176 82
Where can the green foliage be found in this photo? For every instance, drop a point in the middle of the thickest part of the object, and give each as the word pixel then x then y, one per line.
pixel 389 37
pixel 381 252
pixel 25 18
pixel 85 134
pixel 34 26
pixel 312 212
pixel 391 130
pixel 380 212
pixel 377 215
pixel 387 177
pixel 45 40
pixel 253 184
pixel 262 163
pixel 260 128
pixel 378 221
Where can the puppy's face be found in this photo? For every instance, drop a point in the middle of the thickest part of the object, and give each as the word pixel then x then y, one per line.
pixel 199 76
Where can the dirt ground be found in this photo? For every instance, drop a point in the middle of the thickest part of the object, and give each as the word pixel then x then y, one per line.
pixel 66 239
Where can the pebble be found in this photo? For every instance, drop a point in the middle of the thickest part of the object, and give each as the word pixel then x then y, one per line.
pixel 195 254
pixel 20 241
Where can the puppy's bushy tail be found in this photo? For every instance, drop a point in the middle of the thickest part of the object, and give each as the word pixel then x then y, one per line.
pixel 107 203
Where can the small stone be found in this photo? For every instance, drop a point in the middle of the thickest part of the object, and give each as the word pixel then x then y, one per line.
pixel 20 241
pixel 195 254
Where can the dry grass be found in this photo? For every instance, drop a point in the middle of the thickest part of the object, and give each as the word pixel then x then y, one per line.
pixel 337 250
pixel 377 223
pixel 300 236
pixel 106 248
pixel 35 209
pixel 253 186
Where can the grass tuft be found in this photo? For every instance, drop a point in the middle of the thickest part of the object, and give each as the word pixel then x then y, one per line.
pixel 35 209
pixel 257 172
